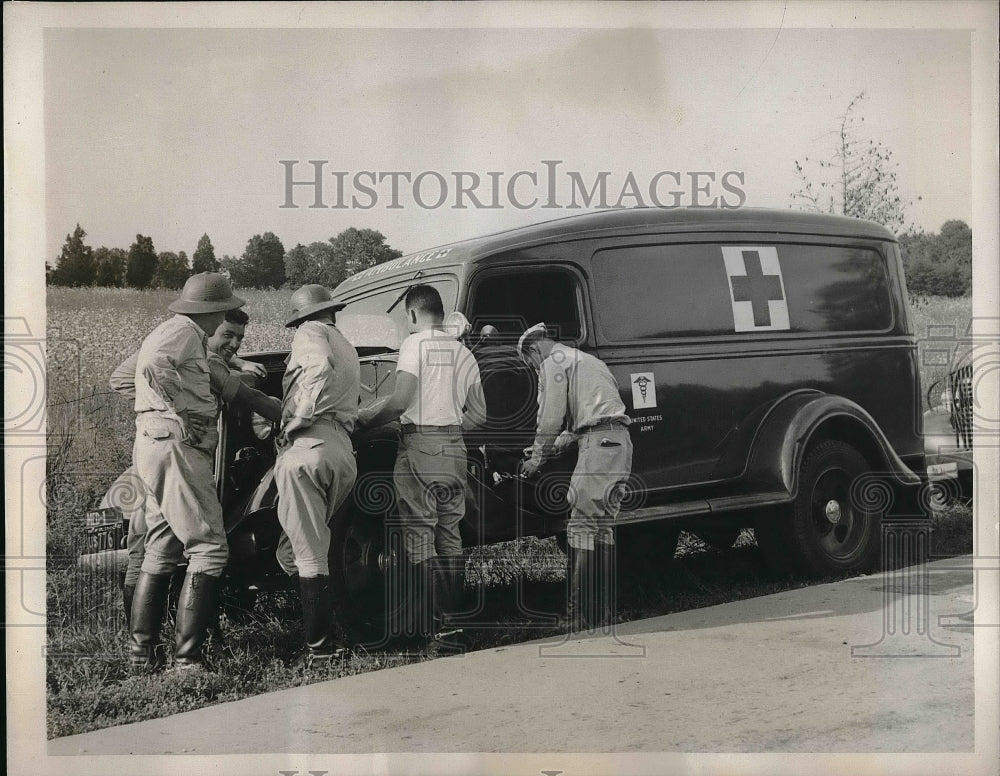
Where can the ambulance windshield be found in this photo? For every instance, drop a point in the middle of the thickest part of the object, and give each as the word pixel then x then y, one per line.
pixel 366 323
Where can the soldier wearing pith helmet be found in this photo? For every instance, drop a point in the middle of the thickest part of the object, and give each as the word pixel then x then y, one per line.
pixel 315 468
pixel 174 449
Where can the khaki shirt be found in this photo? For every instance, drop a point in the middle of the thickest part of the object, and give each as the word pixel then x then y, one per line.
pixel 223 381
pixel 575 390
pixel 322 377
pixel 172 371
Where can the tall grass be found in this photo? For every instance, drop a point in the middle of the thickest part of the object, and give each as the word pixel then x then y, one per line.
pixel 940 325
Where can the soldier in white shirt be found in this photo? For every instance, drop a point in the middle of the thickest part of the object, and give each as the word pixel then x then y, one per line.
pixel 438 393
pixel 579 398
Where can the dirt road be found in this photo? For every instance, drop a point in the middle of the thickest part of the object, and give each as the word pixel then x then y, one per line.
pixel 863 665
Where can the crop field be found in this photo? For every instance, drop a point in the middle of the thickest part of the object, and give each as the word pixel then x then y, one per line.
pixel 90 432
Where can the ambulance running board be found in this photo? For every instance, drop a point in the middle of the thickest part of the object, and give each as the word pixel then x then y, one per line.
pixel 701 507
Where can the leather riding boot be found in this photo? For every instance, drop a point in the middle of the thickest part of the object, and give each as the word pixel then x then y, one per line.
pixel 128 594
pixel 579 590
pixel 196 612
pixel 445 638
pixel 323 637
pixel 149 601
pixel 605 587
pixel 415 614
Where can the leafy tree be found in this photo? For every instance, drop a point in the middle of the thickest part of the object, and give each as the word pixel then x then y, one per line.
pixel 111 266
pixel 939 264
pixel 204 257
pixel 141 262
pixel 171 270
pixel 311 263
pixel 76 265
pixel 358 249
pixel 262 264
pixel 859 179
pixel 50 273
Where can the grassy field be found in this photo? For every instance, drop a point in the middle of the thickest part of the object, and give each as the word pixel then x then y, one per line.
pixel 90 433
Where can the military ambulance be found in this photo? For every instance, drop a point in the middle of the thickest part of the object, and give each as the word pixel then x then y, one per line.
pixel 766 359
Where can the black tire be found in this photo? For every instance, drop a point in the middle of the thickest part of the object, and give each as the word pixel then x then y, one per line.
pixel 238 601
pixel 827 532
pixel 361 569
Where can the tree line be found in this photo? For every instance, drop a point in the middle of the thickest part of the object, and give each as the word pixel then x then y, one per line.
pixel 263 264
pixel 859 179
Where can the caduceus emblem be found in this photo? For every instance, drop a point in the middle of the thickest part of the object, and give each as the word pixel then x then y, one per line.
pixel 643 382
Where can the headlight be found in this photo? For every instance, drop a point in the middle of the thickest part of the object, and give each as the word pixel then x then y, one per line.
pixel 262 427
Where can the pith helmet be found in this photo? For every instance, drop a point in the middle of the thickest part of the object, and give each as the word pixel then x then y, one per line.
pixel 206 292
pixel 312 298
pixel 538 328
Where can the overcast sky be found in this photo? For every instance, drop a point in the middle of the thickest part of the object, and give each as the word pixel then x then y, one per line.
pixel 174 133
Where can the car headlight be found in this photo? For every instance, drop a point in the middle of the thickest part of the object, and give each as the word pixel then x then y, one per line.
pixel 262 427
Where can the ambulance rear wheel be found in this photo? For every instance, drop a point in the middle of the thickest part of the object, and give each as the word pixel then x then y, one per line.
pixel 829 530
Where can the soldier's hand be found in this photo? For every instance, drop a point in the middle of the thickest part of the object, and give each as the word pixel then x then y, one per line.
pixel 529 468
pixel 251 367
pixel 194 428
pixel 565 440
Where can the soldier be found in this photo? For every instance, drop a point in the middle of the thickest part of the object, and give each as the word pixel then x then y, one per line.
pixel 315 467
pixel 579 390
pixel 174 448
pixel 227 380
pixel 437 380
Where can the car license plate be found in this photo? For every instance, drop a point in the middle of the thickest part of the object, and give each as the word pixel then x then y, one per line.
pixel 103 531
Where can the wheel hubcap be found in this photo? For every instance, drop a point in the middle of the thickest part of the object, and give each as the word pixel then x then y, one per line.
pixel 838 525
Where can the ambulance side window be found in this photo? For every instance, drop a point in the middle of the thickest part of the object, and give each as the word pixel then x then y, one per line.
pixel 512 299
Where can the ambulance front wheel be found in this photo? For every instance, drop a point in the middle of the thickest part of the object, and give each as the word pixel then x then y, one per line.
pixel 363 565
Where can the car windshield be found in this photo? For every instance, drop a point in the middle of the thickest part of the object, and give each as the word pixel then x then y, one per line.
pixel 365 322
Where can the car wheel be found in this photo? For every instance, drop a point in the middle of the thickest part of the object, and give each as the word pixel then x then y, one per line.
pixel 362 567
pixel 238 601
pixel 829 530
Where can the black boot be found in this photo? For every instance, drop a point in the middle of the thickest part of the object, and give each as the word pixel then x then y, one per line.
pixel 605 587
pixel 128 594
pixel 414 616
pixel 148 604
pixel 579 590
pixel 448 587
pixel 196 612
pixel 324 639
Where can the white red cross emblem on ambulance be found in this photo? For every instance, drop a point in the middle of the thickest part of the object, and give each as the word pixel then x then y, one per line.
pixel 756 288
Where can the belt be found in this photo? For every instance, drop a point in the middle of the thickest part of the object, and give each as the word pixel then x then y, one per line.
pixel 412 428
pixel 170 415
pixel 326 420
pixel 608 425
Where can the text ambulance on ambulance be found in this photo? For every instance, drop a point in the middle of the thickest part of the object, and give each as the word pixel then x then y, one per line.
pixel 765 359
